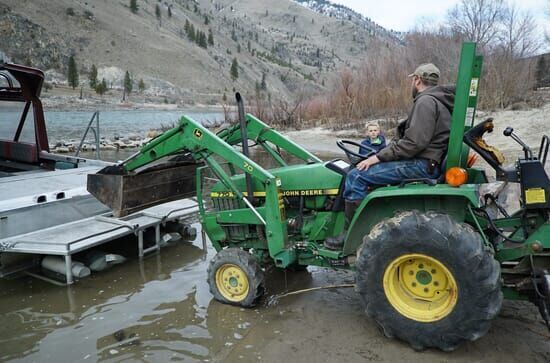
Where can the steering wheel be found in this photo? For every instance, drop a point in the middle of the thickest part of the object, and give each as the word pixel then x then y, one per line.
pixel 353 156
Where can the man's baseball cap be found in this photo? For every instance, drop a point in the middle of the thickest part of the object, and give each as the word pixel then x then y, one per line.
pixel 426 71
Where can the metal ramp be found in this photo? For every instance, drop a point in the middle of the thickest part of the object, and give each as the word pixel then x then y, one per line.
pixel 70 238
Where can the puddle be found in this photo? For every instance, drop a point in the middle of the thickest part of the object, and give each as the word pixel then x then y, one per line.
pixel 158 309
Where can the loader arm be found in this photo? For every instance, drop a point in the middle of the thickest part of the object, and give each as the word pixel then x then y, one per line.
pixel 264 134
pixel 203 145
pixel 193 137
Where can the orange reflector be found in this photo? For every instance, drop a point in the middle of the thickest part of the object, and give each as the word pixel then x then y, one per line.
pixel 456 176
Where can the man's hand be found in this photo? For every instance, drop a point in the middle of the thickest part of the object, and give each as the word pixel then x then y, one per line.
pixel 365 164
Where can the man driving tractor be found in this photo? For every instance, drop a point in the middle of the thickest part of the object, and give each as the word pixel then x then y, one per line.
pixel 416 153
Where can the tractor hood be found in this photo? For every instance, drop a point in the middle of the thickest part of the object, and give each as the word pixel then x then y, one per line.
pixel 296 180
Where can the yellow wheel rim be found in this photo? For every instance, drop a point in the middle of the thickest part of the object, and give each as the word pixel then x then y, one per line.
pixel 232 282
pixel 420 287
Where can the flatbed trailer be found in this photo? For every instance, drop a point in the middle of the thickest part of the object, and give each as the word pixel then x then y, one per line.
pixel 45 208
pixel 84 234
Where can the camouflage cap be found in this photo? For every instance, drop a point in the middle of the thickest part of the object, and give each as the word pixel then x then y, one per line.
pixel 426 71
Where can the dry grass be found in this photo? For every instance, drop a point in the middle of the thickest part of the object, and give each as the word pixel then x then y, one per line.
pixel 379 88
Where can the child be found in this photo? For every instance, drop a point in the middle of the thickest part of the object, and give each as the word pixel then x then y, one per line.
pixel 374 140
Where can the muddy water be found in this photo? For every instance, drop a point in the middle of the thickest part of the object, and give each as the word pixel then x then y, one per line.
pixel 157 309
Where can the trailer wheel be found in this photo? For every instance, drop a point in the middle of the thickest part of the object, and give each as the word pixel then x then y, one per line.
pixel 428 280
pixel 235 277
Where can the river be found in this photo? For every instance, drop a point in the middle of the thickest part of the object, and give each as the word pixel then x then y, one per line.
pixel 70 125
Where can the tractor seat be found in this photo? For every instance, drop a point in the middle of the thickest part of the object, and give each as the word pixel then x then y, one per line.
pixel 429 181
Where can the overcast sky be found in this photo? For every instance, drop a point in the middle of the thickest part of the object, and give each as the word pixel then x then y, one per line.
pixel 401 15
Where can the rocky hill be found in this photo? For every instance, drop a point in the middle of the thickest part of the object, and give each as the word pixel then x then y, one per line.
pixel 283 47
pixel 344 13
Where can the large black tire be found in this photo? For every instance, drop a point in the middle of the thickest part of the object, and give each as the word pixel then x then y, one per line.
pixel 236 278
pixel 391 251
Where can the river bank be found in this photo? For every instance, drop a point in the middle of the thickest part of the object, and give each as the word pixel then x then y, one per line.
pixel 529 124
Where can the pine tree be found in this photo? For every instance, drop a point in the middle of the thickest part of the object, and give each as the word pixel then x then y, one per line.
pixel 191 34
pixel 238 48
pixel 93 77
pixel 248 46
pixel 128 83
pixel 72 74
pixel 186 27
pixel 134 6
pixel 234 69
pixel 101 87
pixel 141 85
pixel 206 20
pixel 158 13
pixel 170 11
pixel 263 85
pixel 210 37
pixel 198 37
pixel 201 39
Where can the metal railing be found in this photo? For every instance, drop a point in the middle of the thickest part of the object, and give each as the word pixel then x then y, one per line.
pixel 95 130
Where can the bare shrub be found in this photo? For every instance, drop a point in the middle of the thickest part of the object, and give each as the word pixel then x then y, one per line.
pixel 288 113
pixel 506 37
pixel 379 87
pixel 477 20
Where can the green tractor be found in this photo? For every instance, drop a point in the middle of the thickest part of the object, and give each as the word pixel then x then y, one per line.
pixel 432 259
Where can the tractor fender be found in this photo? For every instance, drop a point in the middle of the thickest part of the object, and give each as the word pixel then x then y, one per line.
pixel 385 202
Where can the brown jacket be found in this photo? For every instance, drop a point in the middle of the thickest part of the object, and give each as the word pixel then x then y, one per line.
pixel 425 133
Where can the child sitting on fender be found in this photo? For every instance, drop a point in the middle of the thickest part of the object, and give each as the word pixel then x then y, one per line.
pixel 374 139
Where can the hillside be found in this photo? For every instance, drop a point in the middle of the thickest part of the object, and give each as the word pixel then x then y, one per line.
pixel 299 46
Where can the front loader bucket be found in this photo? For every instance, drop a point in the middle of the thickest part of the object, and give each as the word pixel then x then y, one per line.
pixel 129 193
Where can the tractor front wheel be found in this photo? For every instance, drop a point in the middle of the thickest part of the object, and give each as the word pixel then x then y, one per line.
pixel 428 280
pixel 235 277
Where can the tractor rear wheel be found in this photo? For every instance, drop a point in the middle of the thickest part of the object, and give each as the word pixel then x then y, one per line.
pixel 428 280
pixel 235 277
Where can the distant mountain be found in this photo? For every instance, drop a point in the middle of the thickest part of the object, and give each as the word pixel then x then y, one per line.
pixel 338 11
pixel 282 48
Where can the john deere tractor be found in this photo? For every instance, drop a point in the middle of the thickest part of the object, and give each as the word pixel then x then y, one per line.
pixel 432 258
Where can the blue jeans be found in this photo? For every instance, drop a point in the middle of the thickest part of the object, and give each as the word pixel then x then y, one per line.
pixel 385 173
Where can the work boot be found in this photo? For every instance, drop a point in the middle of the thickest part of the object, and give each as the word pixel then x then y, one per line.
pixel 337 242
